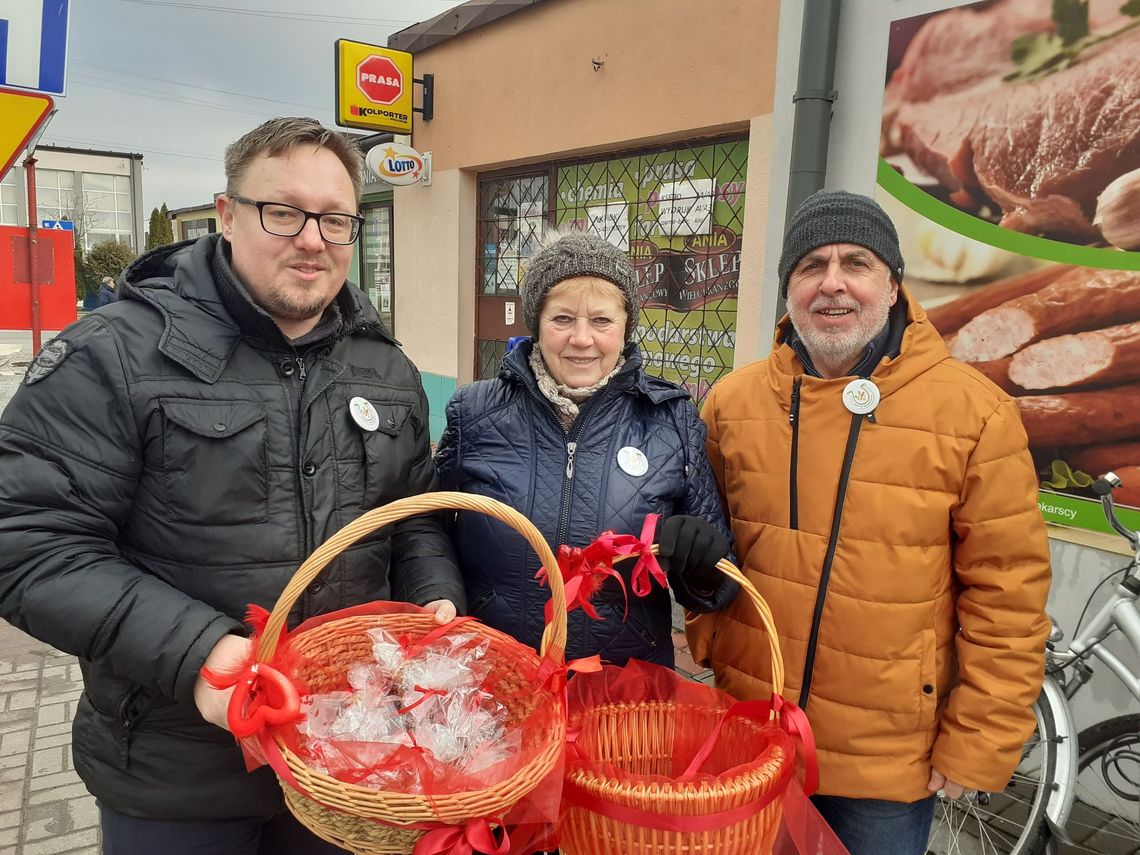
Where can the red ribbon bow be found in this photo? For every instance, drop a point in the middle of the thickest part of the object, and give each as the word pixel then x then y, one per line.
pixel 262 697
pixel 585 568
pixel 475 836
pixel 552 674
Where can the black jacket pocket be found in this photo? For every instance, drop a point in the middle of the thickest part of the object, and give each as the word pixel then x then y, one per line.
pixel 214 461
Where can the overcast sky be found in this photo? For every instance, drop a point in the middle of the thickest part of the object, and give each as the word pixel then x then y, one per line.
pixel 177 81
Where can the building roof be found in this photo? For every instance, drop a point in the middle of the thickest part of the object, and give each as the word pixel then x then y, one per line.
pixel 205 206
pixel 98 151
pixel 454 22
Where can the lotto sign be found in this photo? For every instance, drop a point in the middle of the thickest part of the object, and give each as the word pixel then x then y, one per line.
pixel 396 164
pixel 374 87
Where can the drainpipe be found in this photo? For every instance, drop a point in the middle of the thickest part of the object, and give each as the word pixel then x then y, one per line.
pixel 815 94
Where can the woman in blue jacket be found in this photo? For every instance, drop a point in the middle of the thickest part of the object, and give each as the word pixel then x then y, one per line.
pixel 578 438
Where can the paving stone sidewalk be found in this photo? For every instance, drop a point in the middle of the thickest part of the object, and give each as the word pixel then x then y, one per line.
pixel 44 808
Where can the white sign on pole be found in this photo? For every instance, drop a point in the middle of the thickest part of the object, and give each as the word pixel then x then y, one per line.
pixel 33 44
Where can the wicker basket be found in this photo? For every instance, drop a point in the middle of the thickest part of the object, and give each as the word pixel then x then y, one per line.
pixel 630 813
pixel 377 822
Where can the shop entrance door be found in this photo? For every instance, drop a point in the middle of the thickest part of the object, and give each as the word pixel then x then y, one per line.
pixel 513 214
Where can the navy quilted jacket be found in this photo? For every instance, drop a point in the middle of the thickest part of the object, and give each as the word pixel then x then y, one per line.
pixel 504 441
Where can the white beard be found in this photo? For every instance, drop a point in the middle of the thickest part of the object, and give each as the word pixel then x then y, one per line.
pixel 838 350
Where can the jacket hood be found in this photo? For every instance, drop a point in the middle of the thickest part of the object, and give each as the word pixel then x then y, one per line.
pixel 921 349
pixel 201 327
pixel 631 377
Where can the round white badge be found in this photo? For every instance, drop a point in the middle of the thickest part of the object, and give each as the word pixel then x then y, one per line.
pixel 632 461
pixel 861 396
pixel 364 414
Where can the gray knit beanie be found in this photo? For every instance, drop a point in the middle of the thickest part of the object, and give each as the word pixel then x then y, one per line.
pixel 577 254
pixel 836 216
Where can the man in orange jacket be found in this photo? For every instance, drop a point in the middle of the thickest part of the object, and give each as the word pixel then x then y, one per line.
pixel 884 502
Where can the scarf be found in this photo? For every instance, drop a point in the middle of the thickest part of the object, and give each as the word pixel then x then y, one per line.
pixel 567 401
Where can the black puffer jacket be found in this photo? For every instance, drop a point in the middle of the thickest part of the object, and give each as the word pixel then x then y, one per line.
pixel 178 463
pixel 504 441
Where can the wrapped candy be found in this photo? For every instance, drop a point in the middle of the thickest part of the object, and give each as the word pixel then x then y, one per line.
pixel 414 714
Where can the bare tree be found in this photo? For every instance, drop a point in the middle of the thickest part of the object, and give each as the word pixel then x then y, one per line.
pixel 79 208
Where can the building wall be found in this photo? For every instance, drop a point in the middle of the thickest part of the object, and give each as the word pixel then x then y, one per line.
pixel 78 164
pixel 525 90
pixel 182 220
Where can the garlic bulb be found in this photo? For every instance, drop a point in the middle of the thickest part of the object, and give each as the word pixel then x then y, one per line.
pixel 1118 211
pixel 940 255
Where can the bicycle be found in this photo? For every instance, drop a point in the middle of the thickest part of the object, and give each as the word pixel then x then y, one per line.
pixel 1072 793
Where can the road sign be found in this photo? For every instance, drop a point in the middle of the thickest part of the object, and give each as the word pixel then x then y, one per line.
pixel 33 44
pixel 58 225
pixel 24 113
pixel 373 87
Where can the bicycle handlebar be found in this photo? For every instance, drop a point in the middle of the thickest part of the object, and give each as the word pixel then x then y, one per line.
pixel 1103 487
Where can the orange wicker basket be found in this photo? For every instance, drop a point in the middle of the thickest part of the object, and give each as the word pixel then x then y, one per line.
pixel 640 807
pixel 376 822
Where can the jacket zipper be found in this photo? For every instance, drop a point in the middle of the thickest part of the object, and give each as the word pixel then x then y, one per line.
pixel 125 718
pixel 298 384
pixel 829 557
pixel 576 430
pixel 571 448
pixel 793 466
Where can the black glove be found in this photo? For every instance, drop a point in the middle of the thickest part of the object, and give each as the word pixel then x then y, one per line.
pixel 689 548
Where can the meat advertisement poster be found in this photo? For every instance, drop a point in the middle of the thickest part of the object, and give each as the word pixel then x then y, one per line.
pixel 1010 160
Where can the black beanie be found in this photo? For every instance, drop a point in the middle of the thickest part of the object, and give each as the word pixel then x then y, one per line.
pixel 836 216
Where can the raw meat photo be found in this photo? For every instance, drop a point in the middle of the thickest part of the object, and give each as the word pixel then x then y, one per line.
pixel 1025 113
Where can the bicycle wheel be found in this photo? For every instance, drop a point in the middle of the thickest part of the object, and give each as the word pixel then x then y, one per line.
pixel 1011 822
pixel 1105 818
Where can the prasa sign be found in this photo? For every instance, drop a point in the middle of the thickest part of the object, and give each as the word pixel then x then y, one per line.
pixel 379 80
pixel 373 87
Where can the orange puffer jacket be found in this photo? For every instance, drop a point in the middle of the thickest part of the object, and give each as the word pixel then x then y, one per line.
pixel 903 556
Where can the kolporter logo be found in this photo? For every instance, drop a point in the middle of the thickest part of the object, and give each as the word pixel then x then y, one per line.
pixel 357 110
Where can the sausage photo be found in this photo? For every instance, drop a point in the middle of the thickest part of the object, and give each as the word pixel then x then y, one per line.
pixel 1076 418
pixel 1103 457
pixel 1099 357
pixel 1082 299
pixel 950 317
pixel 997 371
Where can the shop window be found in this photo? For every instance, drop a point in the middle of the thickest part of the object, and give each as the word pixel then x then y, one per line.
pixel 512 219
pixel 199 228
pixel 9 200
pixel 376 262
pixel 679 213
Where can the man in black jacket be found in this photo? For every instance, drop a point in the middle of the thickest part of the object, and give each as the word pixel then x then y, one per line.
pixel 175 456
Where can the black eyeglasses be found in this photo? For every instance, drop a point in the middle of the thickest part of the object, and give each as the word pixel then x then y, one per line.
pixel 284 220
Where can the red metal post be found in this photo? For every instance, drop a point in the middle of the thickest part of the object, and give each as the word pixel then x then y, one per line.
pixel 33 272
